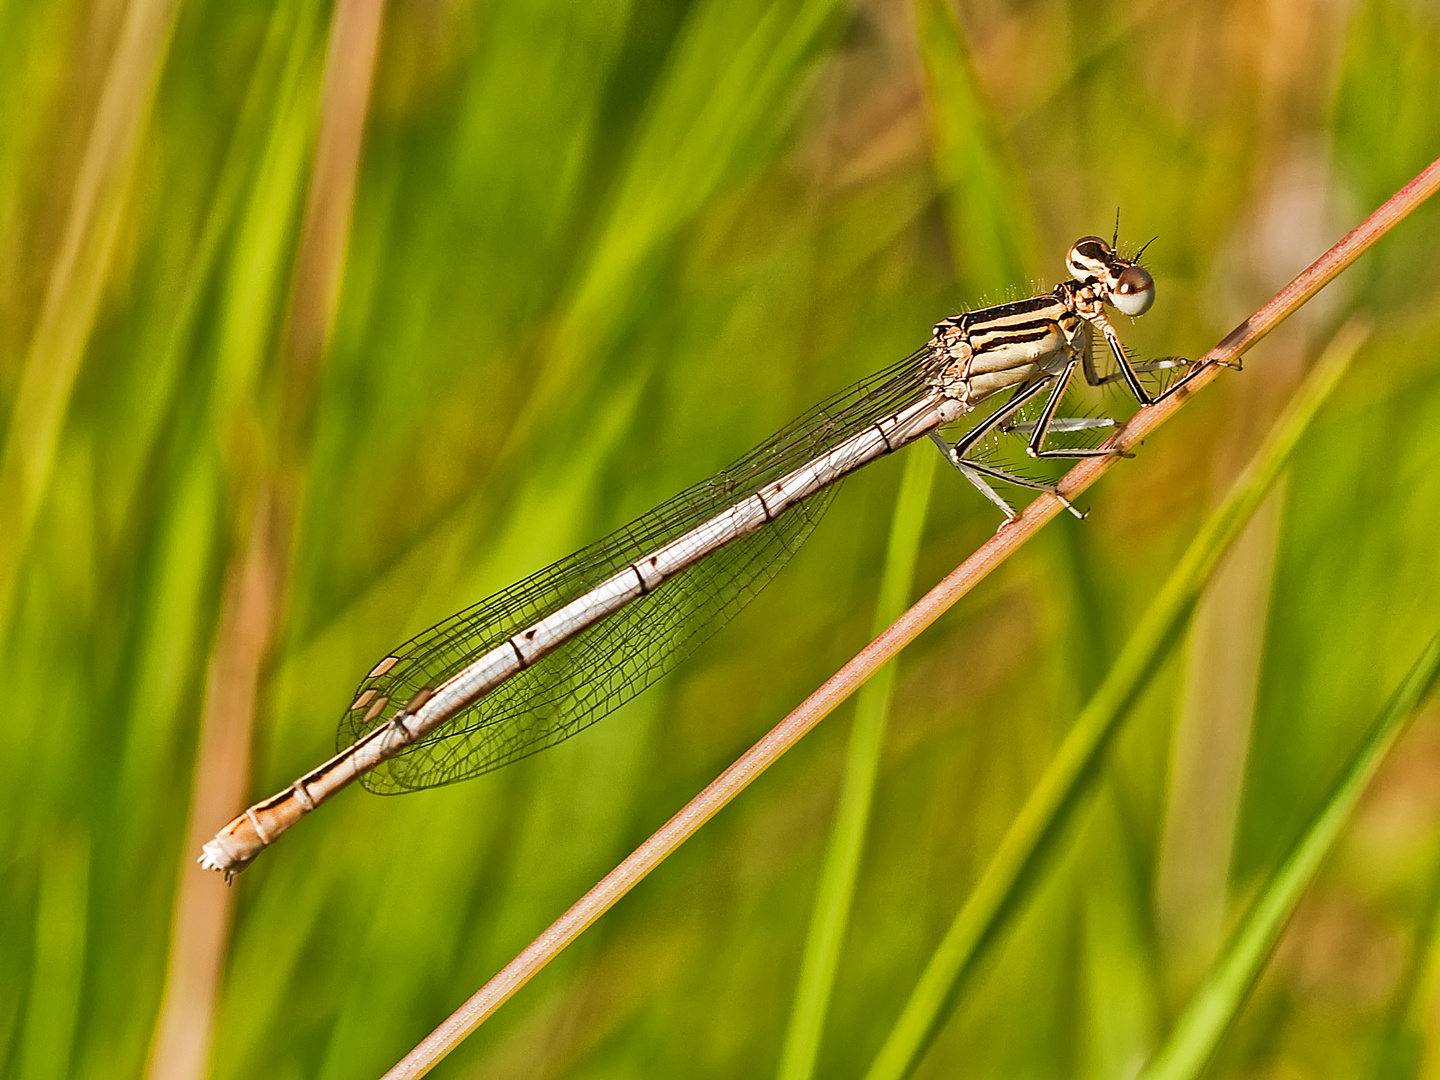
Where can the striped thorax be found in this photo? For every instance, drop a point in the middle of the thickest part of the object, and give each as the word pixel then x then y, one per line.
pixel 1009 345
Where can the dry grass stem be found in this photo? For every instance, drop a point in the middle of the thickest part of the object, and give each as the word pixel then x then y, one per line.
pixel 252 607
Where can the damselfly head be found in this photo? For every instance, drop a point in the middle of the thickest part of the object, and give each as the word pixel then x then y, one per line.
pixel 1125 284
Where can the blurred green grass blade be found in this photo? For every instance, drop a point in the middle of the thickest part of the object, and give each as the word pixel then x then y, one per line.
pixel 1214 1005
pixel 285 45
pixel 836 892
pixel 991 238
pixel 1011 874
pixel 972 170
pixel 259 263
pixel 78 278
pixel 53 1005
pixel 702 131
pixel 1402 1041
pixel 736 79
pixel 1380 157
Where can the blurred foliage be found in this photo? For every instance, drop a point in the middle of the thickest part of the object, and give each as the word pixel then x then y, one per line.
pixel 596 252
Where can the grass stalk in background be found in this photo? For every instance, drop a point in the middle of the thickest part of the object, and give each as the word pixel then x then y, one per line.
pixel 1064 789
pixel 60 921
pixel 991 240
pixel 835 892
pixel 1196 1035
pixel 257 580
pixel 78 278
pixel 694 135
pixel 1401 1048
pixel 990 224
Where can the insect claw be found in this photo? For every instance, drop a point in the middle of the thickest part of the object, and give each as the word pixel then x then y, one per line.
pixel 1068 504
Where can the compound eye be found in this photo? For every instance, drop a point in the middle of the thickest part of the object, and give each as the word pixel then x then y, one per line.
pixel 1134 292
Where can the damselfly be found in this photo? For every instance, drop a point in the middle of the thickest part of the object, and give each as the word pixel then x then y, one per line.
pixel 535 663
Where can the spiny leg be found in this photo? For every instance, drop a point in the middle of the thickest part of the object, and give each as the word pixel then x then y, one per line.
pixel 1023 393
pixel 1147 367
pixel 1118 350
pixel 974 471
pixel 973 475
pixel 1092 374
pixel 1044 420
pixel 1061 425
pixel 969 468
pixel 1128 371
pixel 955 454
pixel 1144 367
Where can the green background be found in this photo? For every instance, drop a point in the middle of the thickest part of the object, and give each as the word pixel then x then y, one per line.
pixel 596 251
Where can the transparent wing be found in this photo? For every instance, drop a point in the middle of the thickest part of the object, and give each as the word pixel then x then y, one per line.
pixel 610 662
